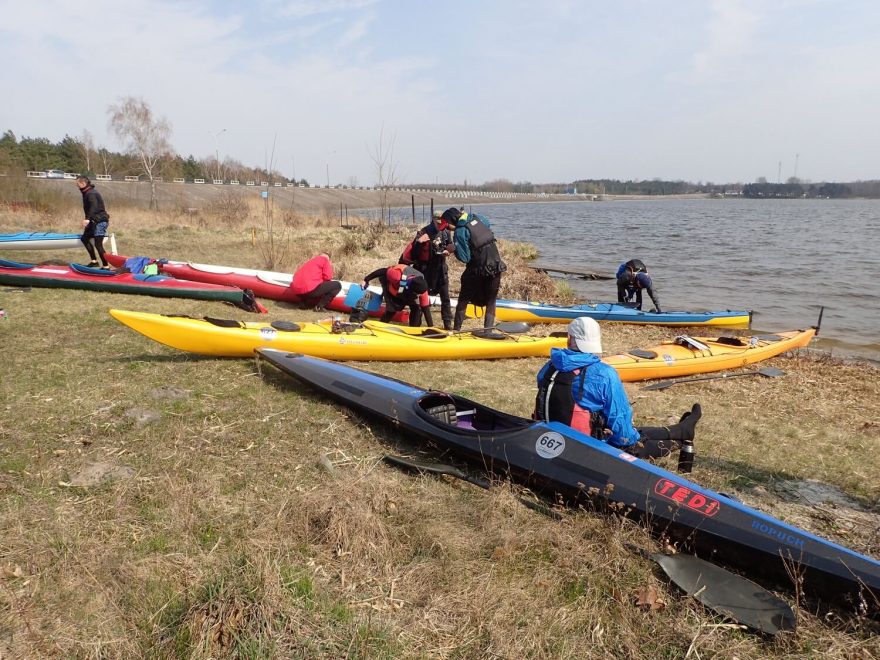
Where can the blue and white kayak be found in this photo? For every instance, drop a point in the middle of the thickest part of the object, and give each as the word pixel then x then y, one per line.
pixel 517 310
pixel 39 241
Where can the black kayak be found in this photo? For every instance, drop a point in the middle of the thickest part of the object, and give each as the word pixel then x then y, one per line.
pixel 553 458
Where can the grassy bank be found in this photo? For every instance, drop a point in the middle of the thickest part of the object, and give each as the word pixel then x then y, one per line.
pixel 160 504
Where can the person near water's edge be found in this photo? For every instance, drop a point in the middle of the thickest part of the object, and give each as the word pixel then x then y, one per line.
pixel 313 282
pixel 427 253
pixel 632 278
pixel 475 246
pixel 403 286
pixel 576 388
pixel 95 222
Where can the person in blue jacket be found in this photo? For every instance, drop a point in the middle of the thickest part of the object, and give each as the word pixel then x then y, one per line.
pixel 632 278
pixel 576 388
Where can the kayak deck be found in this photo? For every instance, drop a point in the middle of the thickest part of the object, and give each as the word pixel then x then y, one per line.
pixel 371 340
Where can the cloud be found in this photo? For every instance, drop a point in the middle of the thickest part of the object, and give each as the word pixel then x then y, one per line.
pixel 731 32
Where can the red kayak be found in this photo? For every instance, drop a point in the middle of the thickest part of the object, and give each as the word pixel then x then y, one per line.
pixel 75 276
pixel 266 284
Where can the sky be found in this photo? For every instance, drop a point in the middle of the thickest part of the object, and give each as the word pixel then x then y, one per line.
pixel 461 91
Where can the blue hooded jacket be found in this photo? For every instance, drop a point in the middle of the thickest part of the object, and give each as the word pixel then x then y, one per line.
pixel 602 390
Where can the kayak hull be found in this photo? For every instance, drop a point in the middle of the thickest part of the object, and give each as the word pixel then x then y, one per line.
pixel 555 459
pixel 39 241
pixel 371 340
pixel 516 310
pixel 74 276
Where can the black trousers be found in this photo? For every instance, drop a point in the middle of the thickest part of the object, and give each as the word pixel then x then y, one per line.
pixel 322 294
pixel 481 290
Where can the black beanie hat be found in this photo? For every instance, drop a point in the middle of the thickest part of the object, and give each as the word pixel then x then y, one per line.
pixel 417 285
pixel 451 215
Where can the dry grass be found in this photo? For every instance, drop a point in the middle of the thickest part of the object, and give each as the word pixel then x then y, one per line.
pixel 228 536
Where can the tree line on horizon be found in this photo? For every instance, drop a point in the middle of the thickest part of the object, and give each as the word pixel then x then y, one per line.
pixel 81 155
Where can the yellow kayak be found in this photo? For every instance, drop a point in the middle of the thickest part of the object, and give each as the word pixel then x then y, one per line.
pixel 686 355
pixel 371 340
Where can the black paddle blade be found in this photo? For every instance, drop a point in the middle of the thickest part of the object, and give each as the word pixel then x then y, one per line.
pixel 435 468
pixel 727 593
pixel 770 372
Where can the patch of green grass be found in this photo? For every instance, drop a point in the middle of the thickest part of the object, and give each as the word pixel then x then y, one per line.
pixel 573 590
pixel 298 584
pixel 14 464
pixel 154 543
pixel 341 613
pixel 207 535
pixel 368 641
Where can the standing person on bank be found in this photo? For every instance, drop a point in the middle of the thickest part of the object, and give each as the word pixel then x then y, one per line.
pixel 313 282
pixel 632 277
pixel 403 286
pixel 95 223
pixel 474 245
pixel 576 388
pixel 427 252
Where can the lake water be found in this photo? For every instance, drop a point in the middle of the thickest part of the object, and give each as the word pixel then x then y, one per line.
pixel 784 259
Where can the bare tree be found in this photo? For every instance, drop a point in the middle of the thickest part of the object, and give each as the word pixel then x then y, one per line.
pixel 87 146
pixel 275 247
pixel 144 136
pixel 106 157
pixel 386 170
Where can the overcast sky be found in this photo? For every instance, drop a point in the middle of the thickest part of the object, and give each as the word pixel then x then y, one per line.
pixel 541 91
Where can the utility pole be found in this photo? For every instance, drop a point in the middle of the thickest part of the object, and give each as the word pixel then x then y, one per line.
pixel 779 173
pixel 796 156
pixel 217 149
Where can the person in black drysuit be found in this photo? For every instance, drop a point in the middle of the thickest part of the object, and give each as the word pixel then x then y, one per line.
pixel 95 223
pixel 632 277
pixel 427 253
pixel 474 245
pixel 576 388
pixel 403 286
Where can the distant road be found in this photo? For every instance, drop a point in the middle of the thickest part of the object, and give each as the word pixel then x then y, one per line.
pixel 306 200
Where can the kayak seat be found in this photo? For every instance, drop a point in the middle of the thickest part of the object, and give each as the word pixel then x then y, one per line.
pixel 439 406
pixel 434 333
pixel 444 412
pixel 730 341
pixel 638 352
pixel 285 326
pixel 224 323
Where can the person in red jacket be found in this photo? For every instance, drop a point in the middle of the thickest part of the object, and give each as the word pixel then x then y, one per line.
pixel 313 282
pixel 403 286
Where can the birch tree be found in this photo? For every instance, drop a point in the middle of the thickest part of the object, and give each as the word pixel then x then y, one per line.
pixel 87 147
pixel 386 170
pixel 143 135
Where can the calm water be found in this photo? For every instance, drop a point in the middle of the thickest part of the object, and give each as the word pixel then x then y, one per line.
pixel 782 259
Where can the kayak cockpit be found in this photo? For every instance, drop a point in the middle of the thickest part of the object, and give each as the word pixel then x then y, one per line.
pixel 453 412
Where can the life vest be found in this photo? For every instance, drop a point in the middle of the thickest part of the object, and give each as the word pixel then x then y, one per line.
pixel 417 252
pixel 480 234
pixel 398 277
pixel 555 403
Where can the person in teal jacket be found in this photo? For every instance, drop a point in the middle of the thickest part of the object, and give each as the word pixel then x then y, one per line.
pixel 474 245
pixel 576 388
